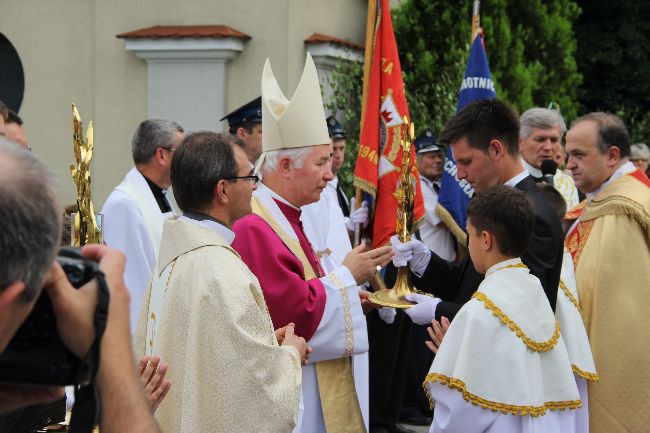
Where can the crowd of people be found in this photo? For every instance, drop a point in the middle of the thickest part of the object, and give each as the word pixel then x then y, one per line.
pixel 247 305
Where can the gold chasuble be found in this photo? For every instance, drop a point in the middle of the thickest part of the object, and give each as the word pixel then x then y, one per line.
pixel 611 250
pixel 340 405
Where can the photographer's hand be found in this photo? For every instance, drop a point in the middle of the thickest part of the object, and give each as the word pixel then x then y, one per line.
pixel 124 406
pixel 74 310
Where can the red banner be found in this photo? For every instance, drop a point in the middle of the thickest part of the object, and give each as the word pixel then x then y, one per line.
pixel 384 105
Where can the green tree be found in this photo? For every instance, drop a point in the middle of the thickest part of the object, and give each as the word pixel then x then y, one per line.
pixel 530 47
pixel 614 57
pixel 347 88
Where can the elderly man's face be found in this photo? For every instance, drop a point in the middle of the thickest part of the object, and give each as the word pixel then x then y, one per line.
pixel 589 167
pixel 430 164
pixel 540 145
pixel 311 179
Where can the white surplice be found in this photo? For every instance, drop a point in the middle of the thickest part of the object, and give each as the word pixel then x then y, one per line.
pixel 567 312
pixel 502 358
pixel 133 224
pixel 338 323
pixel 324 226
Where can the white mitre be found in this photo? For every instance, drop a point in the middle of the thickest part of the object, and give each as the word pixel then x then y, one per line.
pixel 299 122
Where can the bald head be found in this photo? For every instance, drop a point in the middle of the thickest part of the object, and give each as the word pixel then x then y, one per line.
pixel 30 223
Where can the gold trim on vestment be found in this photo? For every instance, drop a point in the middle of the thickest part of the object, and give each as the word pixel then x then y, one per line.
pixel 347 314
pixel 591 377
pixel 569 295
pixel 533 345
pixel 452 225
pixel 339 401
pixel 511 409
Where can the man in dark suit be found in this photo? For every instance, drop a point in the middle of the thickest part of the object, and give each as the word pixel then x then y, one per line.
pixel 484 138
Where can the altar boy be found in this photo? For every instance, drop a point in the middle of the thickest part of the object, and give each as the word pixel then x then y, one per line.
pixel 502 365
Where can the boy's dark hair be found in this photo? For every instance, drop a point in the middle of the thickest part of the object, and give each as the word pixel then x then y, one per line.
pixel 554 198
pixel 505 212
pixel 482 121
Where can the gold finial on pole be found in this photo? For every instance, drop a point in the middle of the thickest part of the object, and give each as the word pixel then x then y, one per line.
pixel 84 225
pixel 405 195
pixel 476 20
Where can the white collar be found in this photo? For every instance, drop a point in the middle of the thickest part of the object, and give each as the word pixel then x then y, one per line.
pixel 504 264
pixel 536 172
pixel 624 169
pixel 515 180
pixel 227 234
pixel 275 195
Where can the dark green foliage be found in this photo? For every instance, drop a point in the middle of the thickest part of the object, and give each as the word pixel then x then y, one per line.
pixel 530 47
pixel 345 102
pixel 614 57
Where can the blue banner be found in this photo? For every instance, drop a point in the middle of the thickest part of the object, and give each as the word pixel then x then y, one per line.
pixel 477 84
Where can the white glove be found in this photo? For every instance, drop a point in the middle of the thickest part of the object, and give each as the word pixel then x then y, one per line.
pixel 387 314
pixel 357 216
pixel 413 252
pixel 424 311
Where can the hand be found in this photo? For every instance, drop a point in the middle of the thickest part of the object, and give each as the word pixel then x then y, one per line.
pixel 413 252
pixel 437 333
pixel 280 332
pixel 424 311
pixel 13 397
pixel 152 376
pixel 357 216
pixel 366 304
pixel 291 339
pixel 74 310
pixel 362 264
pixel 387 314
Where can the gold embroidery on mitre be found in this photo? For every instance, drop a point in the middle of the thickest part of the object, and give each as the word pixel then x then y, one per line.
pixel 533 345
pixel 512 409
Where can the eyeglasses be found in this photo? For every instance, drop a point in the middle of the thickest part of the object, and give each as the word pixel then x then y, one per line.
pixel 252 179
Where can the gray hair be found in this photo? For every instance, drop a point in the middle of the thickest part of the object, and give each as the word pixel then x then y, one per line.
pixel 640 151
pixel 542 118
pixel 297 155
pixel 30 222
pixel 150 135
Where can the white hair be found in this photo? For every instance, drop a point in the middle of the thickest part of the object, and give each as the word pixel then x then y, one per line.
pixel 640 151
pixel 542 118
pixel 297 155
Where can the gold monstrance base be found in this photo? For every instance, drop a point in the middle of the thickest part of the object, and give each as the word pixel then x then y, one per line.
pixel 395 297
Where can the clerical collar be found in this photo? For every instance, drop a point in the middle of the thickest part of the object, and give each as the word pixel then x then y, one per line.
pixel 213 224
pixel 515 180
pixel 510 263
pixel 624 169
pixel 159 195
pixel 535 172
pixel 275 195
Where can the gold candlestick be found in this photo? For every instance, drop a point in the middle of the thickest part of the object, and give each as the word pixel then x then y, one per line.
pixel 84 224
pixel 405 195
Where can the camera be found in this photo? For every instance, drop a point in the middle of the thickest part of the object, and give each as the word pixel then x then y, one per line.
pixel 36 355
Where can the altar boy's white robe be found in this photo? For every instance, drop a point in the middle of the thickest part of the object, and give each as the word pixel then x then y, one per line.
pixel 324 225
pixel 502 366
pixel 568 314
pixel 133 223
